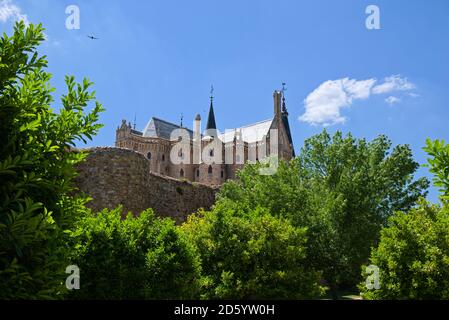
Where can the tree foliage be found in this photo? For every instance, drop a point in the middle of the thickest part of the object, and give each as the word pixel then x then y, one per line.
pixel 251 254
pixel 36 168
pixel 438 164
pixel 141 257
pixel 413 253
pixel 413 256
pixel 340 188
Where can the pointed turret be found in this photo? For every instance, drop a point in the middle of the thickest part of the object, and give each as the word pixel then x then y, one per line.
pixel 211 117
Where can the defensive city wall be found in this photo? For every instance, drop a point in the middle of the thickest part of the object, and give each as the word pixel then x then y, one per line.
pixel 116 176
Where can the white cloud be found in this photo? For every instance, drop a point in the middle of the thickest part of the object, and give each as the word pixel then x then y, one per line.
pixel 391 100
pixel 10 11
pixel 393 83
pixel 413 95
pixel 323 105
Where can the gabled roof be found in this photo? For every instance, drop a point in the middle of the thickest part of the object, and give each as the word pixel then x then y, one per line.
pixel 287 129
pixel 158 128
pixel 250 133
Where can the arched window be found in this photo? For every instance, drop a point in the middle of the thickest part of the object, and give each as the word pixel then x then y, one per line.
pixel 149 155
pixel 222 173
pixel 197 172
pixel 211 152
pixel 237 159
pixel 180 154
pixel 181 173
pixel 163 157
pixel 209 170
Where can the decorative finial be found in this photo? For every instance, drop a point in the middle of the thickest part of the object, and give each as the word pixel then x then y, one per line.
pixel 182 117
pixel 211 92
pixel 284 108
pixel 134 125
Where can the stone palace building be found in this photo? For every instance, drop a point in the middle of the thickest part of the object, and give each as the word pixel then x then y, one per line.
pixel 174 150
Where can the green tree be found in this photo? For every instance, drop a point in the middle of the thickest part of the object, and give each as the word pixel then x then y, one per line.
pixel 413 256
pixel 413 253
pixel 439 165
pixel 340 188
pixel 251 254
pixel 142 257
pixel 36 168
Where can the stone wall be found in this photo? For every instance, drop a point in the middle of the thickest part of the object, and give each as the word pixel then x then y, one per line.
pixel 115 176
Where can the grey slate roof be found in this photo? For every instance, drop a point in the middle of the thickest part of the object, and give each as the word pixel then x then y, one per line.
pixel 211 118
pixel 287 128
pixel 250 133
pixel 158 128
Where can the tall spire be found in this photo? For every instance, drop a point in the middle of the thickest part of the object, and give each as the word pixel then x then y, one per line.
pixel 211 117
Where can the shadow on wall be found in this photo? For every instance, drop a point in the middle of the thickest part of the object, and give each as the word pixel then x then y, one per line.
pixel 115 176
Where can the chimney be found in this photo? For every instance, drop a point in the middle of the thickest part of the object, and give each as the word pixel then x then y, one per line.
pixel 197 140
pixel 197 131
pixel 277 103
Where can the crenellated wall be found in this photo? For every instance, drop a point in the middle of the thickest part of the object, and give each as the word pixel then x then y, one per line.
pixel 115 176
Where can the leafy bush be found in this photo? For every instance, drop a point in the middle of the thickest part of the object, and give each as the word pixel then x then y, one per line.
pixel 251 255
pixel 413 256
pixel 141 257
pixel 413 253
pixel 36 168
pixel 341 189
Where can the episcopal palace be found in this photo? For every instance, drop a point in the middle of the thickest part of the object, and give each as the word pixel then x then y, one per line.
pixel 160 143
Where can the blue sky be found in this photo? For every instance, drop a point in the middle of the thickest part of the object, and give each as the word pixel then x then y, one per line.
pixel 159 58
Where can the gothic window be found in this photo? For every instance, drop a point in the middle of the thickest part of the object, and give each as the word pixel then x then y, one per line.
pixel 180 154
pixel 211 152
pixel 197 172
pixel 163 157
pixel 149 155
pixel 209 170
pixel 222 173
pixel 181 173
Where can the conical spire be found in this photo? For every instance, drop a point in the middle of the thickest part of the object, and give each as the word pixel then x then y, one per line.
pixel 211 117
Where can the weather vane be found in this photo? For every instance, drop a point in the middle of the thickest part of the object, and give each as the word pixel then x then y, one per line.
pixel 182 117
pixel 283 87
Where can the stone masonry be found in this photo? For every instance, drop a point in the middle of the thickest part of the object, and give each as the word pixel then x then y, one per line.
pixel 116 176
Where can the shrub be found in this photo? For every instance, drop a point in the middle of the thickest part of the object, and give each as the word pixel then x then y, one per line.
pixel 251 255
pixel 413 256
pixel 142 257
